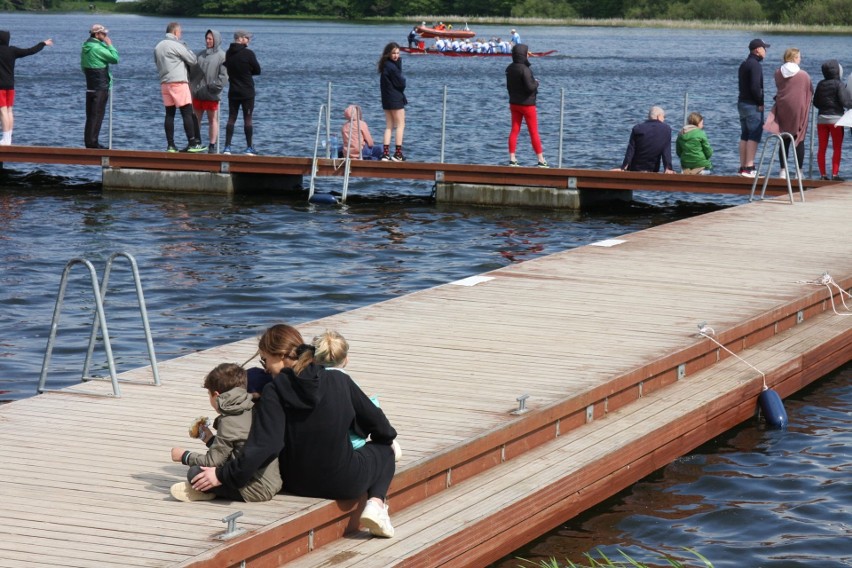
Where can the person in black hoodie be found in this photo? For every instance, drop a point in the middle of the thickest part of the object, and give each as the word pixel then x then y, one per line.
pixel 8 55
pixel 303 418
pixel 242 66
pixel 523 88
pixel 831 100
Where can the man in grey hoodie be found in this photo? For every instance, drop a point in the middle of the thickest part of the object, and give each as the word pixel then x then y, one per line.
pixel 207 80
pixel 173 61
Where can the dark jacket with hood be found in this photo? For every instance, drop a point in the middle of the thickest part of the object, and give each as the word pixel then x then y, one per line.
pixel 8 55
pixel 831 97
pixel 392 85
pixel 520 81
pixel 208 76
pixel 304 420
pixel 242 66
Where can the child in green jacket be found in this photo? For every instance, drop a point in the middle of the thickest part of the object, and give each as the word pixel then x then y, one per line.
pixel 692 146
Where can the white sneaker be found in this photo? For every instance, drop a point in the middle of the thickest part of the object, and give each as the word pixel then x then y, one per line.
pixel 397 450
pixel 183 491
pixel 375 518
pixel 783 174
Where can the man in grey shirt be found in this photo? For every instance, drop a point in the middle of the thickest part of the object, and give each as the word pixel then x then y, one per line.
pixel 173 61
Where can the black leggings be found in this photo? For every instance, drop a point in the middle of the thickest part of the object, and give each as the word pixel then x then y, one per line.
pixel 233 110
pixel 190 124
pixel 385 467
pixel 800 151
pixel 370 471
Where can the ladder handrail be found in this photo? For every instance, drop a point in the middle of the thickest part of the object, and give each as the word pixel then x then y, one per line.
pixel 778 139
pixel 140 298
pixel 57 310
pixel 347 159
pixel 322 110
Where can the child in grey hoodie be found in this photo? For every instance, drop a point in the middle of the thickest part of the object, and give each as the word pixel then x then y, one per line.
pixel 226 387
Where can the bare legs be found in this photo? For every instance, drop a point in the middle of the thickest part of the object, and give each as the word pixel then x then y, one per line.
pixel 394 120
pixel 748 150
pixel 7 119
pixel 212 123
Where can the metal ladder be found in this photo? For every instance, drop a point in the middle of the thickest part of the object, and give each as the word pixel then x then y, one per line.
pixel 99 322
pixel 778 140
pixel 347 161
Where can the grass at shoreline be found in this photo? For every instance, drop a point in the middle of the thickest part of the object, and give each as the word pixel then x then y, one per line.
pixel 763 27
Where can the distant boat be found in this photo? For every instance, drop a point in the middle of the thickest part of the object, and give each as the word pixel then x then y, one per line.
pixel 432 51
pixel 426 31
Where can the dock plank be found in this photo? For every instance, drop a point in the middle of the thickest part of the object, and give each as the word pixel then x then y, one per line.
pixel 84 480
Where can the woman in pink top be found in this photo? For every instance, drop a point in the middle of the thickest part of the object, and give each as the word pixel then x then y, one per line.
pixel 356 136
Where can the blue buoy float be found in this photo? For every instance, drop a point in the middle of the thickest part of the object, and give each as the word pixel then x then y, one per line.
pixel 772 408
pixel 323 199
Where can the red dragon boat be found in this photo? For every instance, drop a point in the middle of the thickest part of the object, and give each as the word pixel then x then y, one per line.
pixel 427 32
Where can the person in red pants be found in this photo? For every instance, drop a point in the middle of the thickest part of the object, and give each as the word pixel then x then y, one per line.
pixel 831 100
pixel 523 88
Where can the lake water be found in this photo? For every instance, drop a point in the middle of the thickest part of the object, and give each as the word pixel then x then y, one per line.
pixel 219 269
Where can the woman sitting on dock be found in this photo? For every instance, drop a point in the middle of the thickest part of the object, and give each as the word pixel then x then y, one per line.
pixel 303 418
pixel 356 136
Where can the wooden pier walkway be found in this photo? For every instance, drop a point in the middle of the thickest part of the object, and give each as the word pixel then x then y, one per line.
pixel 602 338
pixel 480 174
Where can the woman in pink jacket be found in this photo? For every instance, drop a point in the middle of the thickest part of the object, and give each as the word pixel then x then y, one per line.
pixel 356 136
pixel 792 103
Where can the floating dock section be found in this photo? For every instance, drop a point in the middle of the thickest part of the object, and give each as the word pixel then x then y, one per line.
pixel 599 345
pixel 473 184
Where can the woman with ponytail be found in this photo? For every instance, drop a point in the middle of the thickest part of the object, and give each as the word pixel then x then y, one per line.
pixel 303 418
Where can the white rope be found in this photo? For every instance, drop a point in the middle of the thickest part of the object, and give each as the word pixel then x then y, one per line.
pixel 827 281
pixel 708 332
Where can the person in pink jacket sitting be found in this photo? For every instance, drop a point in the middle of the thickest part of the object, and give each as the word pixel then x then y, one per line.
pixel 356 136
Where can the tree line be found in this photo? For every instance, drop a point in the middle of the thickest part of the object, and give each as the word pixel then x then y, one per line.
pixel 805 12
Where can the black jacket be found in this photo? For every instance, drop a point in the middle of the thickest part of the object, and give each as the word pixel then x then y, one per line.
pixel 520 81
pixel 751 81
pixel 650 143
pixel 304 420
pixel 392 84
pixel 242 65
pixel 831 96
pixel 8 55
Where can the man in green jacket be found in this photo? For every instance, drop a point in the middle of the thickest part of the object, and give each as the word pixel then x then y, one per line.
pixel 97 55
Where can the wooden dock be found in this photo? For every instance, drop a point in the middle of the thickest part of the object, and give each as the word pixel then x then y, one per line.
pixel 473 174
pixel 602 338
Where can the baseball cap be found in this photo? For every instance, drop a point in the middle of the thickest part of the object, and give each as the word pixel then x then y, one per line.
pixel 755 43
pixel 98 29
pixel 242 33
